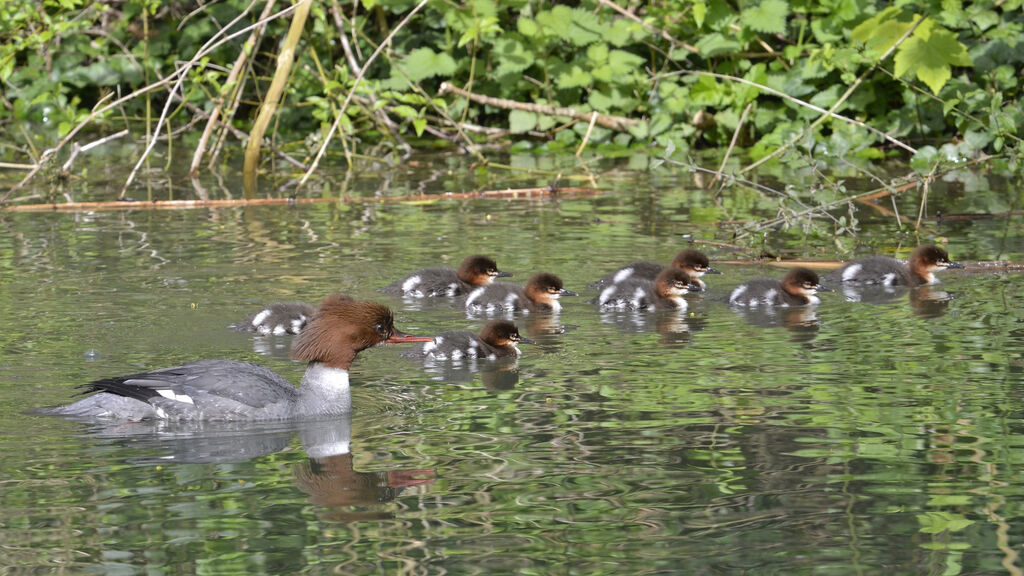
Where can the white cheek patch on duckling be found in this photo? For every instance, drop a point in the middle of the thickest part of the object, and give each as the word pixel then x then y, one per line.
pixel 850 272
pixel 622 275
pixel 410 284
pixel 812 299
pixel 170 395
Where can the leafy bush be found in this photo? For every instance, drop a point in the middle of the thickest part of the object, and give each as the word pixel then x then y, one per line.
pixel 929 74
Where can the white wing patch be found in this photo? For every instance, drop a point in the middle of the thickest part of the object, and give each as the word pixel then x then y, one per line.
pixel 622 275
pixel 473 296
pixel 169 394
pixel 259 318
pixel 769 296
pixel 411 283
pixel 734 298
pixel 889 279
pixel 850 272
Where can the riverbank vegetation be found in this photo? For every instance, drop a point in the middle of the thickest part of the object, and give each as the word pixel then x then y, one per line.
pixel 934 82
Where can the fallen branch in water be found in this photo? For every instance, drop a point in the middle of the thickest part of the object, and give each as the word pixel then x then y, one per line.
pixel 510 194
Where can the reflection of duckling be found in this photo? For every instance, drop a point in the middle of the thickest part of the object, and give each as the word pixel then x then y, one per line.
pixel 540 294
pixel 920 269
pixel 797 288
pixel 929 301
pixel 429 282
pixel 693 262
pixel 664 293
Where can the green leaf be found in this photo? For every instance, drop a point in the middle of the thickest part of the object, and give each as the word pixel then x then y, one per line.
pixel 527 27
pixel 700 9
pixel 769 17
pixel 936 522
pixel 715 44
pixel 513 57
pixel 930 54
pixel 574 77
pixel 424 63
pixel 419 125
pixel 520 121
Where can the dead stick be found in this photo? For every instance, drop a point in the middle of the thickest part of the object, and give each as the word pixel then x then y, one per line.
pixel 234 80
pixel 617 123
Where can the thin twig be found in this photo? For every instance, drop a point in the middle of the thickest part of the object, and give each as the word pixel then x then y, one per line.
pixel 732 143
pixel 234 80
pixel 586 137
pixel 617 123
pixel 176 88
pixel 352 91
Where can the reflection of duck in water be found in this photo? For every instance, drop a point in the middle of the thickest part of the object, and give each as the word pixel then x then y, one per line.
pixel 475 271
pixel 929 301
pixel 693 262
pixel 331 482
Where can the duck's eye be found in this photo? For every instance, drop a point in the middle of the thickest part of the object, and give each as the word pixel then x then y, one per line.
pixel 380 328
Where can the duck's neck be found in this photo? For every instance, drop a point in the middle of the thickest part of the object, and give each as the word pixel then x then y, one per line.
pixel 324 391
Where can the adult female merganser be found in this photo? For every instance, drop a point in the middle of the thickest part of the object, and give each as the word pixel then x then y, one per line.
pixel 797 288
pixel 232 390
pixel 885 271
pixel 540 294
pixel 277 318
pixel 664 293
pixel 694 262
pixel 429 282
pixel 497 339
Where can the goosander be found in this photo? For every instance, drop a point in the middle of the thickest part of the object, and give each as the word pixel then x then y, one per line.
pixel 497 339
pixel 797 288
pixel 277 318
pixel 430 282
pixel 885 271
pixel 540 294
pixel 694 262
pixel 232 390
pixel 664 293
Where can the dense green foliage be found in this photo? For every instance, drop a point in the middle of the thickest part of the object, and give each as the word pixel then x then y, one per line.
pixel 929 74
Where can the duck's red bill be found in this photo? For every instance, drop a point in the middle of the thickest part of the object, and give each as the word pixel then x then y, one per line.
pixel 403 338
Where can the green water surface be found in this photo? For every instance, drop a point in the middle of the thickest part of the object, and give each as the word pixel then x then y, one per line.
pixel 853 438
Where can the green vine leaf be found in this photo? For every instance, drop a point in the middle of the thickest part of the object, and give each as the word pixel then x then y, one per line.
pixel 769 17
pixel 424 63
pixel 930 54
